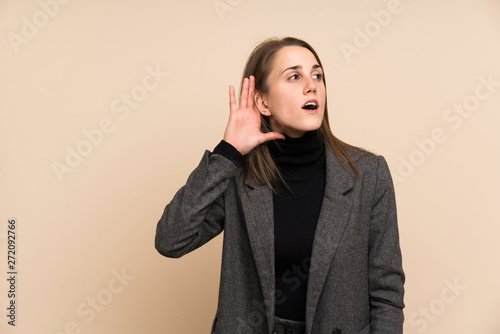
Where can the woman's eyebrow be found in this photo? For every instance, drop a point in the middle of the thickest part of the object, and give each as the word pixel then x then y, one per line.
pixel 299 67
pixel 296 67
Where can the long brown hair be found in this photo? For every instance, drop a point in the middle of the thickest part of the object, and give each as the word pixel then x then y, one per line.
pixel 259 165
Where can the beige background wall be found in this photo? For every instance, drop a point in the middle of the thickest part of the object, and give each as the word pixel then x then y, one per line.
pixel 86 220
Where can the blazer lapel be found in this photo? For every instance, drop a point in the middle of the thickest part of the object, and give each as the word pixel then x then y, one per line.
pixel 257 205
pixel 333 219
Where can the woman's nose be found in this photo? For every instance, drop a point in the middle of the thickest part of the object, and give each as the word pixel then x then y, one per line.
pixel 310 86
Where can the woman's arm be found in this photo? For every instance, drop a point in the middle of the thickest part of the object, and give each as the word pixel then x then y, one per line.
pixel 196 213
pixel 386 276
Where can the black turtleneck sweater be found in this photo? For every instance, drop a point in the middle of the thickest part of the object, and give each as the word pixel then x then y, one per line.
pixel 296 211
pixel 301 162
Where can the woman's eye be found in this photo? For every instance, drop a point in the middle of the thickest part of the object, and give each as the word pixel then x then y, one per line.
pixel 318 76
pixel 294 77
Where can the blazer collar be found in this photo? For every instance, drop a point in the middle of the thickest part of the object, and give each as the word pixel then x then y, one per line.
pixel 257 205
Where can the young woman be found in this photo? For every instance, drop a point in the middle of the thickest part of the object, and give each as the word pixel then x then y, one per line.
pixel 310 230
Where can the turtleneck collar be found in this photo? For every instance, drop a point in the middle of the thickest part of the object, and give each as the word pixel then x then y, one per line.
pixel 298 152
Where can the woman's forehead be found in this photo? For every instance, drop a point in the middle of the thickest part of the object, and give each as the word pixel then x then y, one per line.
pixel 292 56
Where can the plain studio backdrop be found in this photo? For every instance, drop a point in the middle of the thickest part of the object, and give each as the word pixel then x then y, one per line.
pixel 107 106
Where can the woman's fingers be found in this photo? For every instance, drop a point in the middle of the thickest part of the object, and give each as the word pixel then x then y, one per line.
pixel 251 90
pixel 244 95
pixel 232 100
pixel 243 127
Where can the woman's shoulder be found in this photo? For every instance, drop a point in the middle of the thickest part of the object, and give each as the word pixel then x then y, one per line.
pixel 366 161
pixel 361 156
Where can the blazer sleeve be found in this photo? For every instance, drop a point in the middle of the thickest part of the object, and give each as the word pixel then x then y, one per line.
pixel 196 213
pixel 386 276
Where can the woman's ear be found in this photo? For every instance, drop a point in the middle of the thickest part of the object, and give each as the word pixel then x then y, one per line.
pixel 261 104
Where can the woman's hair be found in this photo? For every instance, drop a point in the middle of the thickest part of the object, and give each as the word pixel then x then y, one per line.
pixel 259 164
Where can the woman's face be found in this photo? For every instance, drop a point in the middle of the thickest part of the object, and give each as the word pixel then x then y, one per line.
pixel 295 102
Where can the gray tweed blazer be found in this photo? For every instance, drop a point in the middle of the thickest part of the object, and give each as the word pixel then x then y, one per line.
pixel 356 278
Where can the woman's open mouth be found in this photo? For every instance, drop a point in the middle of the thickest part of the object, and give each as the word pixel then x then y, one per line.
pixel 311 105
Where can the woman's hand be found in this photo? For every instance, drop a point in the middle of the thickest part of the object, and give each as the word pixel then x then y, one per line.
pixel 243 127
